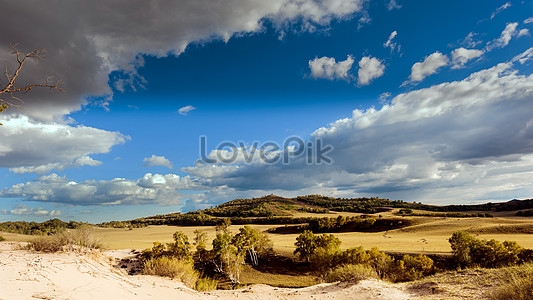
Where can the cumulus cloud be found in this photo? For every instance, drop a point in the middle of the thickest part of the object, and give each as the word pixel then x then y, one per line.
pixel 505 37
pixel 430 143
pixel 91 39
pixel 24 210
pixel 390 44
pixel 429 66
pixel 393 5
pixel 500 9
pixel 328 68
pixel 370 68
pixel 150 189
pixel 185 110
pixel 33 146
pixel 155 160
pixel 461 56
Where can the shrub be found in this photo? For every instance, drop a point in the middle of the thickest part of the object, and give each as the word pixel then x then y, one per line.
pixel 469 251
pixel 83 237
pixel 2 238
pixel 350 272
pixel 411 268
pixel 46 244
pixel 206 284
pixel 181 269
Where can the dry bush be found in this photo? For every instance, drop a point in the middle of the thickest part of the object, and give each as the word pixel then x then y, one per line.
pixel 172 267
pixel 206 284
pixel 350 272
pixel 73 240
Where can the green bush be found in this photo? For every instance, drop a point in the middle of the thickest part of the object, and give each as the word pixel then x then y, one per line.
pixel 181 269
pixel 349 272
pixel 469 251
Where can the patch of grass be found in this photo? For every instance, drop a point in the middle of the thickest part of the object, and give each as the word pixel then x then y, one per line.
pixel 206 284
pixel 172 267
pixel 77 239
pixel 354 273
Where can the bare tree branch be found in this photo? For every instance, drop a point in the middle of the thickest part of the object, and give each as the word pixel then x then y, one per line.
pixel 12 91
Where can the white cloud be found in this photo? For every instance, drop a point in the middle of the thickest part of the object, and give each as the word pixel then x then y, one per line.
pixel 155 160
pixel 93 39
pixel 505 37
pixel 393 5
pixel 431 143
pixel 470 40
pixel 33 146
pixel 461 56
pixel 370 68
pixel 523 32
pixel 429 66
pixel 185 110
pixel 24 210
pixel 390 44
pixel 528 20
pixel 328 68
pixel 500 9
pixel 150 189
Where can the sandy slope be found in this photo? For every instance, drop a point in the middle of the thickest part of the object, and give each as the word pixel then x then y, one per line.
pixel 28 275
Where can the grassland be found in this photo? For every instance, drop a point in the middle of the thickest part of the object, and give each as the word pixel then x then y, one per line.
pixel 429 235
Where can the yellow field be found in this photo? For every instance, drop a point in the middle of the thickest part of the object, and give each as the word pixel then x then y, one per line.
pixel 429 236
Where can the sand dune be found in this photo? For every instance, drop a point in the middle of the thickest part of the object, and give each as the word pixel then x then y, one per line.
pixel 91 275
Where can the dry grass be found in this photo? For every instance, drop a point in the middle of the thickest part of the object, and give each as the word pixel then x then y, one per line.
pixel 429 236
pixel 182 270
pixel 478 283
pixel 81 238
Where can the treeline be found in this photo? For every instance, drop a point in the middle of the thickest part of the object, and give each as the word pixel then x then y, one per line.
pixel 409 212
pixel 34 228
pixel 345 224
pixel 202 219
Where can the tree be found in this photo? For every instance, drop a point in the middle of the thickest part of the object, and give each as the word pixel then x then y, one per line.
pixel 12 91
pixel 305 245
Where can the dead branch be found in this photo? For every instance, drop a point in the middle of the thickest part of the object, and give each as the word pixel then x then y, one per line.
pixel 12 91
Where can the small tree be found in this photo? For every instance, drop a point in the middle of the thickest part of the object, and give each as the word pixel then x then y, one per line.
pixel 305 245
pixel 12 91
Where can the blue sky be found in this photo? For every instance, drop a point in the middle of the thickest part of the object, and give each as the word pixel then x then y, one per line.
pixel 420 100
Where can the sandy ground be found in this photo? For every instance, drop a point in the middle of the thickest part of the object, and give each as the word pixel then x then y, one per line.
pixel 91 275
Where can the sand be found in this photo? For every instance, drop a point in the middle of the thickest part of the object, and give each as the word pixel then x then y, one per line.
pixel 91 275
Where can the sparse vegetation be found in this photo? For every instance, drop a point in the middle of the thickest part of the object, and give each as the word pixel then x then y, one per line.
pixel 83 237
pixel 173 267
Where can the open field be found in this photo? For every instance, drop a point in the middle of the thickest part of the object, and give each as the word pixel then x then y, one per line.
pixel 430 235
